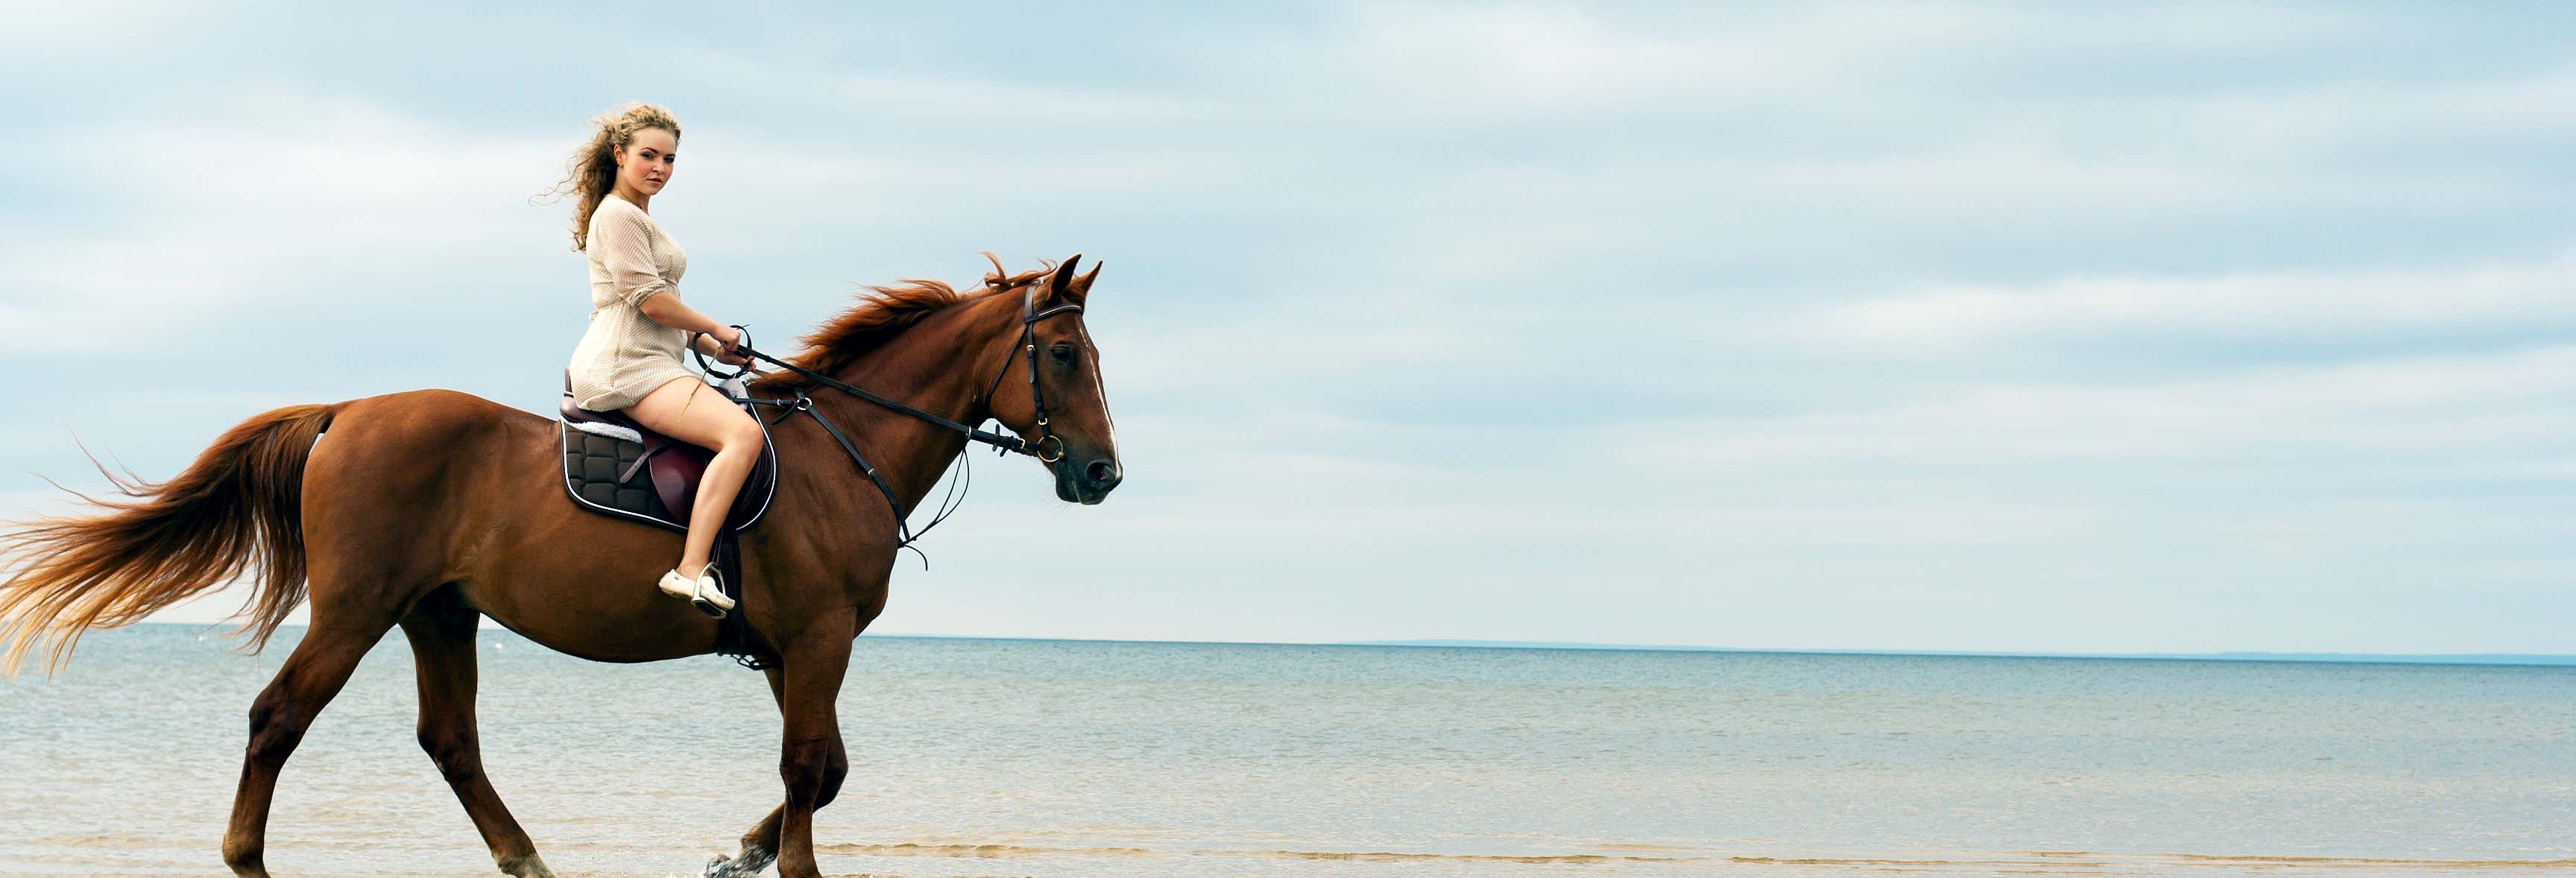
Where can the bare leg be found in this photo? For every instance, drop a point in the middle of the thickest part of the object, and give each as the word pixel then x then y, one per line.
pixel 278 718
pixel 688 410
pixel 441 630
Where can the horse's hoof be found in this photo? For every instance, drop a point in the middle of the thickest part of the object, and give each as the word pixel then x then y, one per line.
pixel 245 864
pixel 742 865
pixel 526 867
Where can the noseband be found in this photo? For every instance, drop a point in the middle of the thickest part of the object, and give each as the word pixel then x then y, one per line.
pixel 1029 317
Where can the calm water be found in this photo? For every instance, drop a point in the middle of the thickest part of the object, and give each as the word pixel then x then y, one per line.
pixel 994 757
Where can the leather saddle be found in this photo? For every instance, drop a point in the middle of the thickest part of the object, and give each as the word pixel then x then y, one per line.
pixel 617 467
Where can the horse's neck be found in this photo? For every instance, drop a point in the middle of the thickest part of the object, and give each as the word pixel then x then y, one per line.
pixel 938 366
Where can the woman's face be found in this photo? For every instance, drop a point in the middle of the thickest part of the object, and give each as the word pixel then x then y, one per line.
pixel 645 165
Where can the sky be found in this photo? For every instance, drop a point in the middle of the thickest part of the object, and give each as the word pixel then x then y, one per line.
pixel 1994 327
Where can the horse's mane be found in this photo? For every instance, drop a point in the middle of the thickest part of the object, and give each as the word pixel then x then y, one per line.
pixel 883 312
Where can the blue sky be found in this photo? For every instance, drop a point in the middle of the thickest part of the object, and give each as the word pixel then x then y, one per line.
pixel 1909 326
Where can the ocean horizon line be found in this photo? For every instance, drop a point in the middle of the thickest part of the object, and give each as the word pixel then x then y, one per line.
pixel 2496 659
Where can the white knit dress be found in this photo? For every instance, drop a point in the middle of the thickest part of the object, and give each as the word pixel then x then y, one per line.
pixel 625 355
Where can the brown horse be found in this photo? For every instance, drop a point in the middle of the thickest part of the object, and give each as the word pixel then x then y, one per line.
pixel 431 508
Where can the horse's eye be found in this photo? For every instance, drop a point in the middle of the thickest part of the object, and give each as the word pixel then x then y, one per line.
pixel 1063 353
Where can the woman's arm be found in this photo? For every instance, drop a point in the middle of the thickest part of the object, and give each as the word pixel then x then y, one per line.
pixel 706 344
pixel 710 342
pixel 668 310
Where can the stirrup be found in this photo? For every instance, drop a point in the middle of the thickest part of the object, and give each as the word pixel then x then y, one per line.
pixel 702 592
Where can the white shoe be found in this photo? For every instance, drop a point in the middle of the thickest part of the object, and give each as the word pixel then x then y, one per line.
pixel 703 592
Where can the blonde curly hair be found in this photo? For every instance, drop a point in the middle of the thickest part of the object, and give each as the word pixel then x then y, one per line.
pixel 592 172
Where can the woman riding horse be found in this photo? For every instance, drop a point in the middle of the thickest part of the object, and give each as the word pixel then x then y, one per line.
pixel 630 357
pixel 433 510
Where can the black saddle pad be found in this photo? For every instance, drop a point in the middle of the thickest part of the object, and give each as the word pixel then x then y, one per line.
pixel 592 463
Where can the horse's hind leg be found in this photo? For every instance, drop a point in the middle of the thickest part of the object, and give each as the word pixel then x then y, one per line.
pixel 441 630
pixel 313 673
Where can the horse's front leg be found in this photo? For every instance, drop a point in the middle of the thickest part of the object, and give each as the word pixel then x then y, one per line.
pixel 760 845
pixel 812 761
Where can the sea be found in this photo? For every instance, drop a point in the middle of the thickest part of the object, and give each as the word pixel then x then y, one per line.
pixel 976 757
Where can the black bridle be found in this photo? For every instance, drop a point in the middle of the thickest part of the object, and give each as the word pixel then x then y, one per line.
pixel 1029 318
pixel 1002 444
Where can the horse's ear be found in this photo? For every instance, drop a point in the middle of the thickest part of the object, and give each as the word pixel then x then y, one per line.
pixel 1061 279
pixel 1079 289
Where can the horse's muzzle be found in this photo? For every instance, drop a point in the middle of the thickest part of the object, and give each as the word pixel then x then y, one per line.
pixel 1090 482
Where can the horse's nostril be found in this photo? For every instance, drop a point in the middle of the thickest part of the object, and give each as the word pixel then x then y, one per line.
pixel 1101 471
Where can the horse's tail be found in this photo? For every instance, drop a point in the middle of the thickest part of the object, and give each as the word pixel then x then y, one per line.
pixel 240 504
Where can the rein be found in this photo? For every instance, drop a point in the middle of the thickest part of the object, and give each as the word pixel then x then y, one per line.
pixel 1002 444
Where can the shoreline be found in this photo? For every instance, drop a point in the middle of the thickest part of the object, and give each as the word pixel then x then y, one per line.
pixel 2507 660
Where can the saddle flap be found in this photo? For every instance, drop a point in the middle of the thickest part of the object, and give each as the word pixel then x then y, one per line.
pixel 675 473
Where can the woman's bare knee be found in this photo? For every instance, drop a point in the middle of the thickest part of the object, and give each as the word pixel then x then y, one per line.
pixel 706 420
pixel 744 435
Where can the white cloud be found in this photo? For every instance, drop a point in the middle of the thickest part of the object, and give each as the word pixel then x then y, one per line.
pixel 1522 59
pixel 290 201
pixel 2456 408
pixel 2280 304
pixel 943 105
pixel 92 27
pixel 2338 115
pixel 1925 64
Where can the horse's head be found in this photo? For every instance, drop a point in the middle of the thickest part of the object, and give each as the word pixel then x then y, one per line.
pixel 1051 393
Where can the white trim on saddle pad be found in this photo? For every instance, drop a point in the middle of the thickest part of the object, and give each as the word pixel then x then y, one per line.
pixel 611 431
